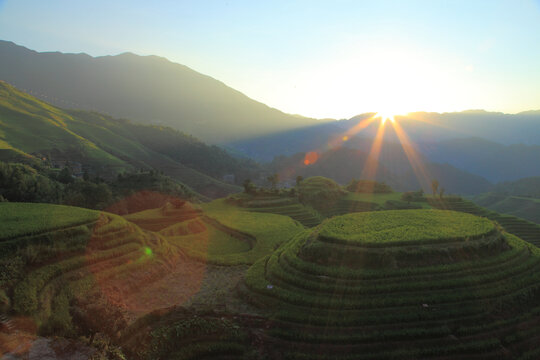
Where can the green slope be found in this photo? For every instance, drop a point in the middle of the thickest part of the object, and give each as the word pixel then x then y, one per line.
pixel 28 125
pixel 461 294
pixel 523 207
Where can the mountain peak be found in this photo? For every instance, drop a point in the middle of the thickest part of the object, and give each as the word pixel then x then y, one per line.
pixel 157 92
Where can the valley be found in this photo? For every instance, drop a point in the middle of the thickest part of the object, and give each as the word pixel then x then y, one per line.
pixel 181 264
pixel 305 180
pixel 253 272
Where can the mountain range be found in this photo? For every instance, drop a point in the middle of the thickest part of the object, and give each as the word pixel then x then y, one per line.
pixel 164 101
pixel 514 157
pixel 145 89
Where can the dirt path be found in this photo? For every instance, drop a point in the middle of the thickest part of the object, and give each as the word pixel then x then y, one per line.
pixel 189 283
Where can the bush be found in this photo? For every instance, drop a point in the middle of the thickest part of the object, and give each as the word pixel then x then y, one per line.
pixel 368 186
pixel 11 269
pixel 320 193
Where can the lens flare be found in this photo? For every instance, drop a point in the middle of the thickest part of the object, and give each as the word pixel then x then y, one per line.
pixel 370 168
pixel 311 158
pixel 412 155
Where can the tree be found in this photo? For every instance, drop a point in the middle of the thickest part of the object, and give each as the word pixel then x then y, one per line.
pixel 65 176
pixel 248 186
pixel 407 196
pixel 441 193
pixel 274 179
pixel 434 186
pixel 299 179
pixel 96 314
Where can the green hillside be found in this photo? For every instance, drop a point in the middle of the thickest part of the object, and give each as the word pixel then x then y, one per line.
pixel 443 285
pixel 433 283
pixel 106 146
pixel 520 198
pixel 30 125
pixel 52 255
pixel 524 207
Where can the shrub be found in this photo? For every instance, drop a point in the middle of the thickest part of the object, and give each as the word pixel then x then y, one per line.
pixel 368 186
pixel 320 193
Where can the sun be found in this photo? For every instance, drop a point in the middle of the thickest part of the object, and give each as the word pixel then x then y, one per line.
pixel 386 115
pixel 389 114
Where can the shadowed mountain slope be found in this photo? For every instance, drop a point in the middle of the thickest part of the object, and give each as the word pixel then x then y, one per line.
pixel 32 129
pixel 147 89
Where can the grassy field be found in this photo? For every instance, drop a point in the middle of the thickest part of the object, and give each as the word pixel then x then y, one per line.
pixel 268 230
pixel 404 227
pixel 211 244
pixel 27 218
pixel 379 199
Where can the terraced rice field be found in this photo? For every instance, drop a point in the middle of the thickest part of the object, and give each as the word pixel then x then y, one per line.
pixel 399 284
pixel 183 335
pixel 309 217
pixel 286 206
pixel 362 202
pixel 265 231
pixel 28 218
pixel 219 233
pixel 470 292
pixel 347 205
pixel 524 229
pixel 167 215
pixel 79 253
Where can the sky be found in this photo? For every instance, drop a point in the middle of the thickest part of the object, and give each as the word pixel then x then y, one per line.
pixel 323 59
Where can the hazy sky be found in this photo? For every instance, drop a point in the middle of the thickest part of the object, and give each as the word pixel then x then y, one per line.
pixel 315 58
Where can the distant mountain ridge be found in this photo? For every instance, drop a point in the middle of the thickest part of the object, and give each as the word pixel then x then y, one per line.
pixel 496 162
pixel 458 139
pixel 520 198
pixel 344 163
pixel 153 90
pixel 146 89
pixel 526 187
pixel 421 127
